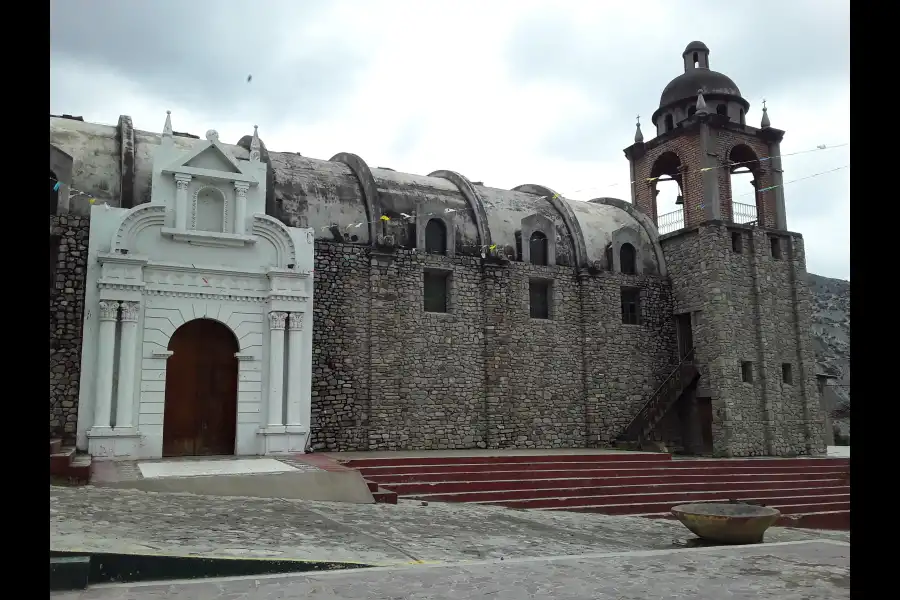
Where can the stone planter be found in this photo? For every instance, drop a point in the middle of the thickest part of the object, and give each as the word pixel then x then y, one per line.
pixel 727 523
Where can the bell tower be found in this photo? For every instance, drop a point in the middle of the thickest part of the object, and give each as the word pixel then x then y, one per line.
pixel 701 139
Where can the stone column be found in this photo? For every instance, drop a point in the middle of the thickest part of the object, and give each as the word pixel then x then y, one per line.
pixel 127 348
pixel 778 181
pixel 240 208
pixel 297 391
pixel 276 367
pixel 106 342
pixel 181 202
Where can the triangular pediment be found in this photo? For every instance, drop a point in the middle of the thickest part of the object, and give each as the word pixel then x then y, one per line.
pixel 211 159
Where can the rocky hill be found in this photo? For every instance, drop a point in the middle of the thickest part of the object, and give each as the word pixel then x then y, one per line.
pixel 831 330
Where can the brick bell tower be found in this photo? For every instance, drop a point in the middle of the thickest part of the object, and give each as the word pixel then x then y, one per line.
pixel 701 139
pixel 740 297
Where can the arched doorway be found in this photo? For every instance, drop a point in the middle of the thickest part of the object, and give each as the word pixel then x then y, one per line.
pixel 201 391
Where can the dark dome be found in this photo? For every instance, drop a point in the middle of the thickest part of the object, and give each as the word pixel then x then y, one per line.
pixel 695 46
pixel 686 85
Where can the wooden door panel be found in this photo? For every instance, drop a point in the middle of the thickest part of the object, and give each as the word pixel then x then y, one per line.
pixel 201 391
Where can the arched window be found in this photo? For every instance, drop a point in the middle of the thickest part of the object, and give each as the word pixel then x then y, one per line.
pixel 537 246
pixel 627 260
pixel 436 237
pixel 670 123
pixel 722 109
pixel 691 111
pixel 54 194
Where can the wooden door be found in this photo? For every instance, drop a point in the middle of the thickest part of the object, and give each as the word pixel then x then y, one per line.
pixel 684 333
pixel 201 391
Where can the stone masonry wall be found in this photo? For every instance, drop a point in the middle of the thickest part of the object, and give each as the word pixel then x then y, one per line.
pixel 388 375
pixel 66 310
pixel 748 308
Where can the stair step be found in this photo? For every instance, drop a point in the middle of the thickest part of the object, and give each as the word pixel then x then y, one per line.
pixel 60 461
pixel 530 493
pixel 383 496
pixel 55 445
pixel 529 459
pixel 448 476
pixel 449 487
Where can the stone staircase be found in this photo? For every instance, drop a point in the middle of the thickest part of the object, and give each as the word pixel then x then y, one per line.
pixel 810 492
pixel 66 466
pixel 682 379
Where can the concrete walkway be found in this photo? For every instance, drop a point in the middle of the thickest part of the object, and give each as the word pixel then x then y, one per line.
pixel 790 571
pixel 131 521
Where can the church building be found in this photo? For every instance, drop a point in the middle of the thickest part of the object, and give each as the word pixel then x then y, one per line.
pixel 209 298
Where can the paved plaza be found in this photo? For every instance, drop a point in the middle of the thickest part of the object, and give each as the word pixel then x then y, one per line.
pixel 436 550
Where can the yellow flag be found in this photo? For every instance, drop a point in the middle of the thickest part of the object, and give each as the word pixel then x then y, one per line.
pixel 385 218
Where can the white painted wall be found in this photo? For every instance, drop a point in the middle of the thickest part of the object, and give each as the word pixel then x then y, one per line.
pixel 176 271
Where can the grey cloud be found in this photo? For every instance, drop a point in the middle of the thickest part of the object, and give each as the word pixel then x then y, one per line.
pixel 197 54
pixel 767 48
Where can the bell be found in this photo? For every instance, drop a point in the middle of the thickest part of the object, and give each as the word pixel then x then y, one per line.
pixel 679 200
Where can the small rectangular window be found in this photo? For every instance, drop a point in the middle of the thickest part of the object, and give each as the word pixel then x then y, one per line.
pixel 747 372
pixel 787 376
pixel 437 290
pixel 631 306
pixel 539 299
pixel 737 244
pixel 776 247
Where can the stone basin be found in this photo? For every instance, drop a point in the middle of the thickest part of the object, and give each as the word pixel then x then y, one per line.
pixel 727 523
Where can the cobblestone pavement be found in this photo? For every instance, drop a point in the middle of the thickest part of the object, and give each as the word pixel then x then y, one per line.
pixel 805 570
pixel 122 520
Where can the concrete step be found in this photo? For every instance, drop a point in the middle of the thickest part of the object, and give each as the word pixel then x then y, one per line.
pixel 506 475
pixel 461 487
pixel 60 461
pixel 679 497
pixel 619 491
pixel 504 458
pixel 383 496
pixel 55 445
pixel 787 505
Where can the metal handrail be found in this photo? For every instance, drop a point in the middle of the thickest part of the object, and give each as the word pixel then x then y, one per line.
pixel 675 371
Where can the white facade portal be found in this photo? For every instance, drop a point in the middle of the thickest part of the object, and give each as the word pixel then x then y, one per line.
pixel 202 248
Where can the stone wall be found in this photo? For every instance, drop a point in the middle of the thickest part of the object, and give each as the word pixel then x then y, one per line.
pixel 388 375
pixel 749 307
pixel 66 311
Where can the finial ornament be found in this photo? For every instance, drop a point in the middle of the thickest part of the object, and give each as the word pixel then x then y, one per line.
pixel 701 103
pixel 167 128
pixel 212 135
pixel 765 123
pixel 638 135
pixel 254 145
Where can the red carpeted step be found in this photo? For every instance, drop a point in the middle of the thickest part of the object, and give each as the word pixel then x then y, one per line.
pixel 458 487
pixel 618 471
pixel 383 496
pixel 498 496
pixel 55 445
pixel 503 458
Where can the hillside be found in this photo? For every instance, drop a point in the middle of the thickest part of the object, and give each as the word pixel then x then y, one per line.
pixel 831 329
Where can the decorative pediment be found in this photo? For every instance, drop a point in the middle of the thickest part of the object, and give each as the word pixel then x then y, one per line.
pixel 212 159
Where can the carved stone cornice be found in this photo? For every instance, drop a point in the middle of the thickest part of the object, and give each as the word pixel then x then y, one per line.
pixel 109 310
pixel 277 320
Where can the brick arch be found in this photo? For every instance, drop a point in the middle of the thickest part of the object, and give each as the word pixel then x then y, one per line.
pixel 669 163
pixel 742 156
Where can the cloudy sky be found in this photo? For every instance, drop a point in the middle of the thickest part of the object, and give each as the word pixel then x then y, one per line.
pixel 504 91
